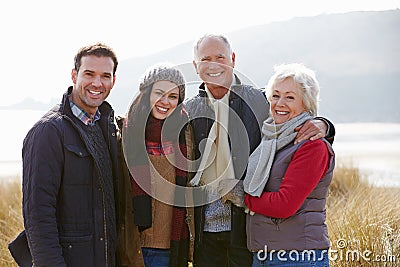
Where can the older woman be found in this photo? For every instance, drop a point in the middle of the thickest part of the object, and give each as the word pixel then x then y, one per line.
pixel 286 183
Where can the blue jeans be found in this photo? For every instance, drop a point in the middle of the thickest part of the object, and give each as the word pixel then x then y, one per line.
pixel 306 258
pixel 155 257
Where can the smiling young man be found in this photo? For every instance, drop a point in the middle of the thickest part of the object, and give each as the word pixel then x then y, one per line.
pixel 93 80
pixel 69 170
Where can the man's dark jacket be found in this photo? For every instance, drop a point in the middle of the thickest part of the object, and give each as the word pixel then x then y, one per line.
pixel 65 214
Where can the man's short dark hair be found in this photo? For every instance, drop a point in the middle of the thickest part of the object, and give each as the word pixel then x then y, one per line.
pixel 99 50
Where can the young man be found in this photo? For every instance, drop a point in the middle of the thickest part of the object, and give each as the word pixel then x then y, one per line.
pixel 70 168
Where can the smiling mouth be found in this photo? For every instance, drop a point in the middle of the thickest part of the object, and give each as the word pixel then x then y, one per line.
pixel 161 109
pixel 215 74
pixel 281 112
pixel 95 93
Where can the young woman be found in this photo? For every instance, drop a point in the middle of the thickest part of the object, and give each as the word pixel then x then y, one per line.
pixel 156 142
pixel 287 183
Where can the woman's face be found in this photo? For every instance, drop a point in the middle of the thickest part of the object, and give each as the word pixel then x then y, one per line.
pixel 286 101
pixel 164 98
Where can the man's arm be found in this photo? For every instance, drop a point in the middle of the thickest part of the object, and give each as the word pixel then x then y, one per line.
pixel 315 129
pixel 330 133
pixel 42 169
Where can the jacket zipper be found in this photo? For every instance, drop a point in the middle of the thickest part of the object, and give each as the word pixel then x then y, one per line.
pixel 104 210
pixel 103 198
pixel 276 221
pixel 202 208
pixel 188 220
pixel 105 227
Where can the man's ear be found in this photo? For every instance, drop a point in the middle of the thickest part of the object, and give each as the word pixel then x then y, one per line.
pixel 195 65
pixel 233 59
pixel 73 75
pixel 114 78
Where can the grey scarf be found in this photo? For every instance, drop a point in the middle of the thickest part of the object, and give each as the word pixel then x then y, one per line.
pixel 275 137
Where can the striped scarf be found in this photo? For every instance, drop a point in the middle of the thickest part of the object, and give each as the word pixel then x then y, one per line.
pixel 142 202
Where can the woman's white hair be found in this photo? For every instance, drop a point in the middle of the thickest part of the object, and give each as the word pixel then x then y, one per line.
pixel 302 76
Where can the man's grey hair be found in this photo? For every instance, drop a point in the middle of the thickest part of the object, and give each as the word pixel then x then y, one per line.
pixel 208 35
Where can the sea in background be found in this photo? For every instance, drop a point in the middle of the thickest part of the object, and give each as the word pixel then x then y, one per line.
pixel 372 147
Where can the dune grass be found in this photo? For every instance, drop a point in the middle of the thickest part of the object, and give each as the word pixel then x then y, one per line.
pixel 363 220
pixel 11 222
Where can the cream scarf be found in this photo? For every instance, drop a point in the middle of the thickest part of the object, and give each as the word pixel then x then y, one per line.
pixel 275 137
pixel 216 164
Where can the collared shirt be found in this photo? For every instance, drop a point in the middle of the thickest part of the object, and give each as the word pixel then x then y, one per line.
pixel 83 115
pixel 210 95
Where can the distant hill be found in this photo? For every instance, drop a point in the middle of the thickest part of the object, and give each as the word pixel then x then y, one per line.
pixel 356 57
pixel 32 104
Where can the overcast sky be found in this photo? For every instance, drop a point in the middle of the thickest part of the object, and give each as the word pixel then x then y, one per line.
pixel 40 38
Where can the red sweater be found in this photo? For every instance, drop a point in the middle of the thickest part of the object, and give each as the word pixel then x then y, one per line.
pixel 308 165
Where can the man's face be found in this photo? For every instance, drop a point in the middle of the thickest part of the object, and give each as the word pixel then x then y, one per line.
pixel 93 82
pixel 214 63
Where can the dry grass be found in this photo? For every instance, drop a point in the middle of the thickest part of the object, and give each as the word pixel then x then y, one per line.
pixel 11 222
pixel 363 221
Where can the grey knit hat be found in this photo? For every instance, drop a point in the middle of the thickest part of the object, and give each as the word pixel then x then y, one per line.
pixel 163 72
